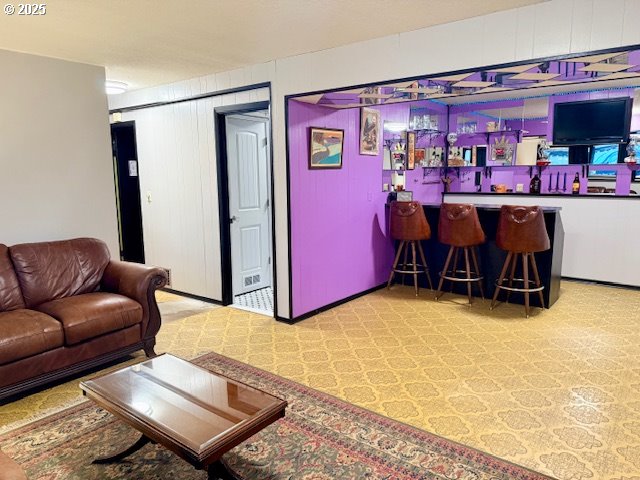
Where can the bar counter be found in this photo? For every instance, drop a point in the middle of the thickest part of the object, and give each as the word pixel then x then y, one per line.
pixel 491 257
pixel 601 231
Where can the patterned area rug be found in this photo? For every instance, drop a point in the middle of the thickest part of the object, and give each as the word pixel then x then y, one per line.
pixel 320 438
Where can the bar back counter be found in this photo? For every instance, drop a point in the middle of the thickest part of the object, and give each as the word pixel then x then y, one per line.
pixel 600 232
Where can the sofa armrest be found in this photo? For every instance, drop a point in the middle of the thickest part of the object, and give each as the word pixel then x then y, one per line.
pixel 138 282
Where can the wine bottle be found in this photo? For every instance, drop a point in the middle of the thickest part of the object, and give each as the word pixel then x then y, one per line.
pixel 534 186
pixel 575 188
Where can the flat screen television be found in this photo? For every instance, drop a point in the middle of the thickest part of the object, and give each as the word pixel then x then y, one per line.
pixel 592 122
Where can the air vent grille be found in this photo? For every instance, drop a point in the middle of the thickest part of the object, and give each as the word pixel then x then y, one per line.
pixel 250 280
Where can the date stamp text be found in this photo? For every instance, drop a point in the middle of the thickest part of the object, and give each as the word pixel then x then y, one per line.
pixel 27 9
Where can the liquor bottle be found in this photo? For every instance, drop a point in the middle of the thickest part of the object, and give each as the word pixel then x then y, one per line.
pixel 534 186
pixel 575 188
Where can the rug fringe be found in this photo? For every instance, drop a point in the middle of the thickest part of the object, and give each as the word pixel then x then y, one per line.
pixel 40 415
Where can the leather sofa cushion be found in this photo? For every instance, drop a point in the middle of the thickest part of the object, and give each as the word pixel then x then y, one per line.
pixel 51 270
pixel 26 333
pixel 92 314
pixel 10 294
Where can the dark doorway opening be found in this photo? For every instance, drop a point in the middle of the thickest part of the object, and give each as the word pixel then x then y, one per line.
pixel 125 165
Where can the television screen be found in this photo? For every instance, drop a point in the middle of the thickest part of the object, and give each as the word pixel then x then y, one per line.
pixel 592 122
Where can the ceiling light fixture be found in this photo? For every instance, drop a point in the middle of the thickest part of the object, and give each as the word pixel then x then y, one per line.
pixel 113 88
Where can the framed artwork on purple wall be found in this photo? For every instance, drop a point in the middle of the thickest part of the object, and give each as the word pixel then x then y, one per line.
pixel 369 131
pixel 411 150
pixel 325 148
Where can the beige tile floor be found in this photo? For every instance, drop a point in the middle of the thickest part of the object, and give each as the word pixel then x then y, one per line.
pixel 558 392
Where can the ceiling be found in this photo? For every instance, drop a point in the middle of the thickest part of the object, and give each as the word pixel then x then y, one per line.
pixel 151 42
pixel 612 70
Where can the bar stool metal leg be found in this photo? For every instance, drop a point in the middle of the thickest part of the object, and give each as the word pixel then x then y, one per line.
pixel 503 272
pixel 525 270
pixel 424 264
pixel 475 265
pixel 404 262
pixel 415 267
pixel 456 255
pixel 514 264
pixel 468 270
pixel 536 276
pixel 444 270
pixel 395 264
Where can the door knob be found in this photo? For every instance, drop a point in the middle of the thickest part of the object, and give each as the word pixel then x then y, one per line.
pixel 233 219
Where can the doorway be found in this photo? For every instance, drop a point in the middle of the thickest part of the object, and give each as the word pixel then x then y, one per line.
pixel 245 173
pixel 127 182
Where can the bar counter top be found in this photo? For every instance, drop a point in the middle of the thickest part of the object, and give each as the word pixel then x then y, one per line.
pixel 489 206
pixel 544 195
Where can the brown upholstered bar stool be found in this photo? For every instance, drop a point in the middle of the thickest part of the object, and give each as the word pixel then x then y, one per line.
pixel 409 225
pixel 459 227
pixel 521 232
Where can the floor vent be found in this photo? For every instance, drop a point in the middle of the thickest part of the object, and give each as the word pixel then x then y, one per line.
pixel 168 270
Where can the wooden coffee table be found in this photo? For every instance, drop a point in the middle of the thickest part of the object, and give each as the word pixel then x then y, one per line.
pixel 193 412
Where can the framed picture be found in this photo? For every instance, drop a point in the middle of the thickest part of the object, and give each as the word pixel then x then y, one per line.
pixel 411 150
pixel 369 131
pixel 325 148
pixel 421 155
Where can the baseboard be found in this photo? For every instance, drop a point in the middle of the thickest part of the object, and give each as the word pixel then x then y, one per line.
pixel 316 311
pixel 602 282
pixel 195 297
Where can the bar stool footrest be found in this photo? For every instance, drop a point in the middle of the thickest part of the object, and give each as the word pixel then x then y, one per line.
pixel 460 279
pixel 522 290
pixel 397 270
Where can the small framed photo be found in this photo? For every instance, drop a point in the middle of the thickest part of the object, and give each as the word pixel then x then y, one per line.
pixel 421 155
pixel 411 150
pixel 325 148
pixel 369 131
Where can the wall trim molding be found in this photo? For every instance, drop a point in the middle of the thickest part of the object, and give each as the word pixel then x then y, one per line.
pixel 217 93
pixel 191 295
pixel 324 308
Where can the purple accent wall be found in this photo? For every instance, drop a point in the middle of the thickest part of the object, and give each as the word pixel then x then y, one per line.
pixel 339 243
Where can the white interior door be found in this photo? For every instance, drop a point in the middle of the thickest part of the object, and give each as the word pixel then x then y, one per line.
pixel 249 208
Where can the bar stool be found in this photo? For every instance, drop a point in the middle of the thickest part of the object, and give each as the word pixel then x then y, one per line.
pixel 459 227
pixel 409 225
pixel 521 232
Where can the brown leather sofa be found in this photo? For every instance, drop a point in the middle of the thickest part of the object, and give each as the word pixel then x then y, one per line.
pixel 65 307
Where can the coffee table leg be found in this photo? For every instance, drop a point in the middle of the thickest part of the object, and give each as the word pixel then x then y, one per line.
pixel 141 442
pixel 217 470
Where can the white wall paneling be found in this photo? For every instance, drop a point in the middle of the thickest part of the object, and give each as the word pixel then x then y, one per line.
pixel 551 28
pixel 178 172
pixel 607 23
pixel 56 171
pixel 596 233
pixel 581 25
